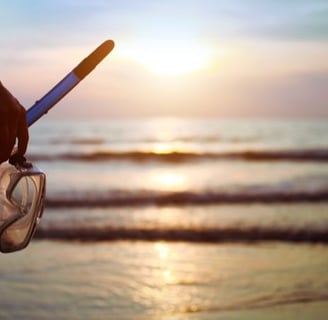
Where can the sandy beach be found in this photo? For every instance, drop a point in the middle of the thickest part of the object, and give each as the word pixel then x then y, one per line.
pixel 158 280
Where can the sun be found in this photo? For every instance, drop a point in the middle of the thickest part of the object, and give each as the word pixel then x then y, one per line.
pixel 175 61
pixel 169 58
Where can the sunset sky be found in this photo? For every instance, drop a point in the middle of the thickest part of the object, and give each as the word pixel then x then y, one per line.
pixel 197 58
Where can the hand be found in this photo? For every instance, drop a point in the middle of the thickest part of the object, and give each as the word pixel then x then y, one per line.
pixel 12 126
pixel 18 160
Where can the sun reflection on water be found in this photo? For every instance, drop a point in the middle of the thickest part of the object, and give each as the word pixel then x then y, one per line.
pixel 163 148
pixel 171 180
pixel 162 250
pixel 166 273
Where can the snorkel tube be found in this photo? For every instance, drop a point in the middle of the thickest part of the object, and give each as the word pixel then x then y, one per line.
pixel 72 79
pixel 22 190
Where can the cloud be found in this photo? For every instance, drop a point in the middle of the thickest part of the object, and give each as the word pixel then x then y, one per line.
pixel 268 19
pixel 48 23
pixel 300 95
pixel 307 23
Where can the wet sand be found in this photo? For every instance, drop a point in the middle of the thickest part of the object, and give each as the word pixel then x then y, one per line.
pixel 160 280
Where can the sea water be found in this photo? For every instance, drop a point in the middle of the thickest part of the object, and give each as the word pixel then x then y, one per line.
pixel 176 219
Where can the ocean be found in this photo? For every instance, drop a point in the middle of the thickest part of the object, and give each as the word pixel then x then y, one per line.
pixel 171 218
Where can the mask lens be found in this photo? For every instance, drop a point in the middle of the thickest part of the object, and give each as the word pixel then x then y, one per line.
pixel 22 195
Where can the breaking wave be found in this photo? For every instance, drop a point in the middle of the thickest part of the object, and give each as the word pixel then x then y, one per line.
pixel 114 199
pixel 318 155
pixel 201 235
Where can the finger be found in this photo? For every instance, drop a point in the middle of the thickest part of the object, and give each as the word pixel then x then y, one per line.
pixel 22 132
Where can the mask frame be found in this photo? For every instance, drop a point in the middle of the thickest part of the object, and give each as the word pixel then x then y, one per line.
pixel 24 200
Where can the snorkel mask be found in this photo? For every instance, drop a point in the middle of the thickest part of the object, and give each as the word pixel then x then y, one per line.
pixel 22 194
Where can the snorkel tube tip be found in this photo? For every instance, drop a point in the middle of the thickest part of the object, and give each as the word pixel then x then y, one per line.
pixel 92 60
